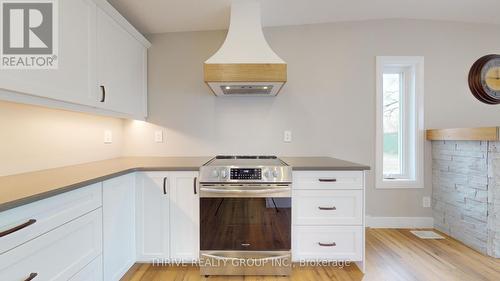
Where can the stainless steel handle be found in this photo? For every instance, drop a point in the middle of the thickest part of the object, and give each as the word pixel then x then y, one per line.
pixel 327 180
pixel 103 92
pixel 165 185
pixel 231 258
pixel 194 184
pixel 17 228
pixel 31 277
pixel 328 208
pixel 333 244
pixel 254 191
pixel 245 244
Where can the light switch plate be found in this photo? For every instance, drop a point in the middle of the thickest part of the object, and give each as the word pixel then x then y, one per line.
pixel 426 202
pixel 159 136
pixel 287 136
pixel 108 136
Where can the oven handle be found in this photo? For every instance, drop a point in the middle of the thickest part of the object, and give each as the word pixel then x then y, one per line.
pixel 253 191
pixel 230 258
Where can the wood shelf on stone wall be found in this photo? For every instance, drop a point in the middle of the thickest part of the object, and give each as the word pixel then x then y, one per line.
pixel 473 134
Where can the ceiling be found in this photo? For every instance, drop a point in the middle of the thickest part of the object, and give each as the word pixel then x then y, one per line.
pixel 158 16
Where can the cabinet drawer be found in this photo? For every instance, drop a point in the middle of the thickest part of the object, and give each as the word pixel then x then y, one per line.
pixel 58 254
pixel 44 215
pixel 328 180
pixel 328 207
pixel 91 272
pixel 328 243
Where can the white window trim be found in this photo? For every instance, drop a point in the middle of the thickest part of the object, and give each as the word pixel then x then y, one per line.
pixel 417 64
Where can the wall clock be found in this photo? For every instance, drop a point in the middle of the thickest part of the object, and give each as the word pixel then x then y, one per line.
pixel 484 79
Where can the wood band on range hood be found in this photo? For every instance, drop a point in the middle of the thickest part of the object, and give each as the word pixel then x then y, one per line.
pixel 245 72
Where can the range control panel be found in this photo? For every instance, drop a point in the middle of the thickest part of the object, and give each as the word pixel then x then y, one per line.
pixel 246 174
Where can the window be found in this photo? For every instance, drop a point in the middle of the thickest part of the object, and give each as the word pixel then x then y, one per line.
pixel 399 137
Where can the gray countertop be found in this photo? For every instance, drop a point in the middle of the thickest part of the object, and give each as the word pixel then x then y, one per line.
pixel 20 189
pixel 322 164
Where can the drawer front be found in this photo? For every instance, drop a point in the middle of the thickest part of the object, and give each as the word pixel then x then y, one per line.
pixel 44 215
pixel 91 272
pixel 328 243
pixel 328 207
pixel 58 254
pixel 328 180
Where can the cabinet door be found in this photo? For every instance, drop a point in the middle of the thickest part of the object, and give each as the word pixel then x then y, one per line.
pixel 184 216
pixel 91 272
pixel 121 68
pixel 75 79
pixel 118 226
pixel 152 216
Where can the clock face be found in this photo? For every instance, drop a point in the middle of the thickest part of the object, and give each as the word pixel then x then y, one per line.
pixel 490 78
pixel 484 79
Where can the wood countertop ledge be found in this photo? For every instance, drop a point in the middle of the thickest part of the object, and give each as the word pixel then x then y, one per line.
pixel 21 189
pixel 472 134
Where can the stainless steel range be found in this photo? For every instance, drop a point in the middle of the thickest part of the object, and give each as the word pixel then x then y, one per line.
pixel 245 216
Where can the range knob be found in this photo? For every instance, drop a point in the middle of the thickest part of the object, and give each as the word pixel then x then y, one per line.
pixel 275 173
pixel 223 174
pixel 215 173
pixel 267 173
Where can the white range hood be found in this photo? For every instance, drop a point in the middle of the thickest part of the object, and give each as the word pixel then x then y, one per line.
pixel 245 65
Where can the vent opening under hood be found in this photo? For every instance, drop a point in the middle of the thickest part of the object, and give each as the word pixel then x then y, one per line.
pixel 245 63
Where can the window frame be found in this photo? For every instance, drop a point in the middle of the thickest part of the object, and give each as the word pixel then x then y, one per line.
pixel 412 118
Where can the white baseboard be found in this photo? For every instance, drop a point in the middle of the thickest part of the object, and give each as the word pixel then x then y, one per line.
pixel 399 222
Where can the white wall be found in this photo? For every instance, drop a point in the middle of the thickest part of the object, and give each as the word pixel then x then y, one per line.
pixel 35 138
pixel 328 101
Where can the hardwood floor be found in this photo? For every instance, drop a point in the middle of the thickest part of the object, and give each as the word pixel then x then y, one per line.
pixel 392 254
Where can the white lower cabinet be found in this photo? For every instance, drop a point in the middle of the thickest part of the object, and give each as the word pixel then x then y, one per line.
pixel 328 243
pixel 167 216
pixel 184 217
pixel 91 272
pixel 58 254
pixel 328 207
pixel 152 216
pixel 118 226
pixel 42 216
pixel 328 216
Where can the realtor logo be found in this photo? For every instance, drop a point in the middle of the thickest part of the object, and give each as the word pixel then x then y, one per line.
pixel 29 34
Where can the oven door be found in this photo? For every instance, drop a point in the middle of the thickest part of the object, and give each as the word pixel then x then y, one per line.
pixel 245 217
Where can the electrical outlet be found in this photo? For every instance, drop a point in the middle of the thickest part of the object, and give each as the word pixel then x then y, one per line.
pixel 426 202
pixel 108 136
pixel 159 136
pixel 287 136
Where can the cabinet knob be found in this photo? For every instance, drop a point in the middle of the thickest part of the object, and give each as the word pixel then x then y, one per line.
pixel 327 180
pixel 103 94
pixel 328 208
pixel 333 244
pixel 194 185
pixel 165 185
pixel 17 228
pixel 31 277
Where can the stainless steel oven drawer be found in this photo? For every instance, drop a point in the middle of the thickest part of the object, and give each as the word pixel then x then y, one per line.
pixel 245 263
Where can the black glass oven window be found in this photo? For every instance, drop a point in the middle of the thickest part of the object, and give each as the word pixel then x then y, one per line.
pixel 253 224
pixel 246 174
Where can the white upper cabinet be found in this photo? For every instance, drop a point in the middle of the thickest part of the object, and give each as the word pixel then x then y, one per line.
pixel 102 65
pixel 74 81
pixel 121 68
